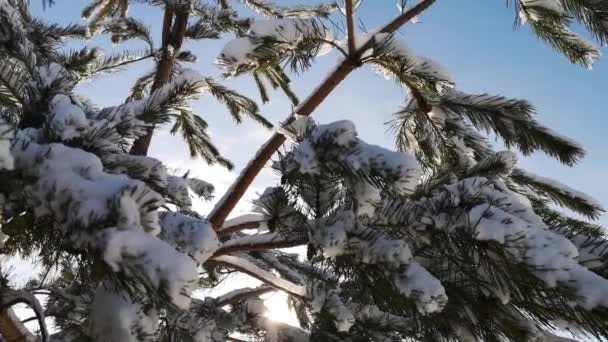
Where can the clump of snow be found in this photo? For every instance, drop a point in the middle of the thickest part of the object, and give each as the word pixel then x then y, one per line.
pixel 466 155
pixel 499 215
pixel 6 137
pixel 140 167
pixel 53 75
pixel 306 158
pixel 189 235
pixel 529 6
pixel 399 169
pixel 289 30
pixel 331 233
pixel 286 33
pixel 425 288
pixel 551 256
pixel 381 250
pixel 201 188
pixel 72 186
pixel 67 120
pixel 368 198
pixel 327 298
pixel 135 252
pixel 177 187
pixel 114 317
pixel 562 188
pixel 342 133
pixel 249 217
pixel 338 143
pixel 237 51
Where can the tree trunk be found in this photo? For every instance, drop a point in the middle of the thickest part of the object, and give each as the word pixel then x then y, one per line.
pixel 173 36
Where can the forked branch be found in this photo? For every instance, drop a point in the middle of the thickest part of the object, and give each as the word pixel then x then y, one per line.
pixel 230 199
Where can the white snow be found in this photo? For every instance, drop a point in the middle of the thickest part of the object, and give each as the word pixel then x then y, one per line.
pixel 249 217
pixel 427 290
pixel 401 168
pixel 74 178
pixel 261 274
pixel 288 32
pixel 252 240
pixel 237 51
pixel 368 198
pixel 114 317
pixel 551 257
pixel 551 5
pixel 201 188
pixel 136 252
pixel 67 120
pixel 338 142
pixel 177 187
pixel 6 136
pixel 563 188
pixel 330 233
pixel 140 167
pixel 305 156
pixel 189 235
pixel 324 297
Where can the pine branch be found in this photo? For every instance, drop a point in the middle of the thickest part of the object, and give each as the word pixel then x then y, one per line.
pixel 192 127
pixel 498 164
pixel 513 121
pixel 123 29
pixel 593 14
pixel 201 30
pixel 231 198
pixel 259 242
pixel 141 86
pixel 553 28
pixel 560 193
pixel 117 62
pixel 237 104
pixel 270 279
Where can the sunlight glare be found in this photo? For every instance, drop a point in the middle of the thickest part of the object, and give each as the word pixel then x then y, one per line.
pixel 278 309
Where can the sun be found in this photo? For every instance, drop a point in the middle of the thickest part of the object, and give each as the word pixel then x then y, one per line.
pixel 278 310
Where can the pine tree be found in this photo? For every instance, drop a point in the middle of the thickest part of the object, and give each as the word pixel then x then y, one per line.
pixel 444 239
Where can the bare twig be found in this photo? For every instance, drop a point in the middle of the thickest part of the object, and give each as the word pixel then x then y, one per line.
pixel 242 183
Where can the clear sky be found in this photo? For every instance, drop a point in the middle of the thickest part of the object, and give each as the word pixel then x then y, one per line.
pixel 475 39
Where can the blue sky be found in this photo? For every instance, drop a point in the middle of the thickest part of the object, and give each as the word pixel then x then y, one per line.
pixel 474 39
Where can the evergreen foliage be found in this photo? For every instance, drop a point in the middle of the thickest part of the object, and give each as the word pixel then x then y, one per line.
pixel 445 239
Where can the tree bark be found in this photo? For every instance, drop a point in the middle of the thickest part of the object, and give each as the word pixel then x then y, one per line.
pixel 174 30
pixel 236 192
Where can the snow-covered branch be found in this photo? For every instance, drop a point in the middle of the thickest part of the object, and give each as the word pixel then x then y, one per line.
pixel 240 295
pixel 253 270
pixel 230 199
pixel 259 242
